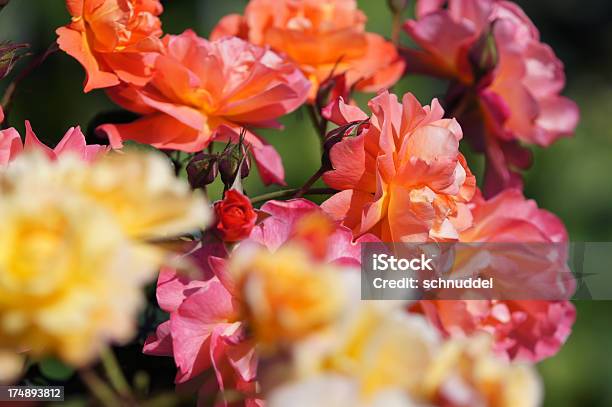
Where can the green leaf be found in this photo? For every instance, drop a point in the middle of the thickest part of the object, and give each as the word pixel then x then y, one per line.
pixel 55 370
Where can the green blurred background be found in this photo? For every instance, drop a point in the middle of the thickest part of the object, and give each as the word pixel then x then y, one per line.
pixel 571 179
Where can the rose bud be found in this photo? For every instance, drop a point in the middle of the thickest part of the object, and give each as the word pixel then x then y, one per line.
pixel 229 162
pixel 235 216
pixel 331 89
pixel 397 6
pixel 484 55
pixel 202 170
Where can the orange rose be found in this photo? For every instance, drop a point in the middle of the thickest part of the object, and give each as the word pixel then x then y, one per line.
pixel 204 91
pixel 114 40
pixel 322 37
pixel 402 178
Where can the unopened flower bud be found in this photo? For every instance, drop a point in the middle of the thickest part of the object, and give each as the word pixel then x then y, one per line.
pixel 202 170
pixel 483 55
pixel 229 163
pixel 397 6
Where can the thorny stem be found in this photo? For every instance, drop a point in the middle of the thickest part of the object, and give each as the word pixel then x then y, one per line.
pixel 320 124
pixel 288 193
pixel 306 187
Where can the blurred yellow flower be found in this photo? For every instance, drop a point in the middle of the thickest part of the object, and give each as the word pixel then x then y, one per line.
pixel 382 356
pixel 375 356
pixel 287 295
pixel 73 258
pixel 377 344
pixel 466 372
pixel 144 195
pixel 11 365
pixel 384 349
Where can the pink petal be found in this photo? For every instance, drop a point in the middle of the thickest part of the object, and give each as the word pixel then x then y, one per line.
pixel 174 287
pixel 220 268
pixel 343 251
pixel 444 39
pixel 270 165
pixel 558 116
pixel 159 343
pixel 435 158
pixel 192 327
pixel 341 113
pixel 275 230
pixel 424 7
pixel 346 207
pixel 544 329
pixel 545 76
pixel 409 221
pixel 74 141
pixel 244 360
pixel 349 158
pixel 33 143
pixel 10 145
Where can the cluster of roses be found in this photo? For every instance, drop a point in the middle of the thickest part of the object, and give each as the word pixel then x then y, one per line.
pixel 268 298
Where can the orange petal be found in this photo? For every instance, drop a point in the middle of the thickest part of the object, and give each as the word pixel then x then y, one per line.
pixel 75 44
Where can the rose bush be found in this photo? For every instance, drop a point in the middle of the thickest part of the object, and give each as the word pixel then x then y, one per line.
pixel 257 300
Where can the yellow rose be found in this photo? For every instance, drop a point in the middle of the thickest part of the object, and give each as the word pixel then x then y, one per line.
pixel 381 355
pixel 144 195
pixel 382 348
pixel 286 295
pixel 467 372
pixel 73 259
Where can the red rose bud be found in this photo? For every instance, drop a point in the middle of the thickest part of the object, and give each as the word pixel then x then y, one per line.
pixel 202 170
pixel 235 216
